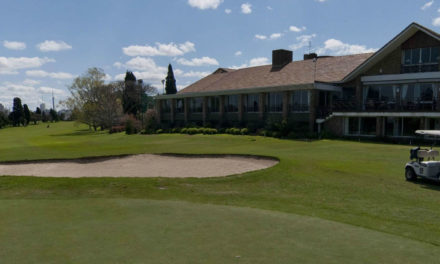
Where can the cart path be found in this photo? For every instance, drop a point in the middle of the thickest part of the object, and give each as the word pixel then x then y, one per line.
pixel 145 165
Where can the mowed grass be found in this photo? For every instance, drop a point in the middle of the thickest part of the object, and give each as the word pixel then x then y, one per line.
pixel 326 201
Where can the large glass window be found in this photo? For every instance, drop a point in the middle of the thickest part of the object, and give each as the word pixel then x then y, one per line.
pixel 180 106
pixel 252 103
pixel 196 105
pixel 231 103
pixel 420 60
pixel 274 102
pixel 419 92
pixel 300 101
pixel 214 104
pixel 166 106
pixel 365 126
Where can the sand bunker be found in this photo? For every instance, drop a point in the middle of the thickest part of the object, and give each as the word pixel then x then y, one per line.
pixel 146 165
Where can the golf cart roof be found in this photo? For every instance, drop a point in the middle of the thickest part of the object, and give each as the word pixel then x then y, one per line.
pixel 428 132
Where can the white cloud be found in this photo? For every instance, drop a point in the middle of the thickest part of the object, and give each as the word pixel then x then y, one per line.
pixel 108 77
pixel 436 22
pixel 146 69
pixel 262 37
pixel 205 4
pixel 53 75
pixel 276 35
pixel 269 8
pixel 11 65
pixel 49 90
pixel 30 82
pixel 302 41
pixel 321 1
pixel 14 45
pixel 238 53
pixel 253 62
pixel 160 49
pixel 228 11
pixel 195 74
pixel 427 5
pixel 52 45
pixel 297 29
pixel 118 65
pixel 337 47
pixel 204 61
pixel 246 8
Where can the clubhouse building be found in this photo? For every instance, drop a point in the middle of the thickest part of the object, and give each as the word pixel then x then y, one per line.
pixel 389 93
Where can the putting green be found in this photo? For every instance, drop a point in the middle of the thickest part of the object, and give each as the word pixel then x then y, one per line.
pixel 146 231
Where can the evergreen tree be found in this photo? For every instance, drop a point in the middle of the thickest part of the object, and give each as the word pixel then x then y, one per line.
pixel 170 85
pixel 27 114
pixel 38 111
pixel 129 95
pixel 53 115
pixel 17 112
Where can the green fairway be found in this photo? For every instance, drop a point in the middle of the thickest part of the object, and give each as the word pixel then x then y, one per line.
pixel 326 201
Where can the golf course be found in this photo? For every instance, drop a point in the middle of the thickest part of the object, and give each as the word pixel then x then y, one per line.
pixel 326 201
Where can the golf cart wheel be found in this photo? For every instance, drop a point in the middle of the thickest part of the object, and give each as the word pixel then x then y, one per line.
pixel 410 175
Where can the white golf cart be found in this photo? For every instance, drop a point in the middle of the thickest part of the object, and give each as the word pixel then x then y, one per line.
pixel 423 163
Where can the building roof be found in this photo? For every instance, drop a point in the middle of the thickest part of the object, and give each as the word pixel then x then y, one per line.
pixel 407 33
pixel 328 69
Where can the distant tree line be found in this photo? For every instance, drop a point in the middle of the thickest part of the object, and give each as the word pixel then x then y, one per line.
pixel 21 115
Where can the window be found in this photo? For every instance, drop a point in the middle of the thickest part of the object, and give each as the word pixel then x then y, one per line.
pixel 231 103
pixel 252 103
pixel 299 101
pixel 380 97
pixel 180 106
pixel 274 102
pixel 196 105
pixel 356 126
pixel 419 92
pixel 420 60
pixel 166 106
pixel 214 104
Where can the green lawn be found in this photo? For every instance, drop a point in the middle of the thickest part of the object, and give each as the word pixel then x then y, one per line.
pixel 326 201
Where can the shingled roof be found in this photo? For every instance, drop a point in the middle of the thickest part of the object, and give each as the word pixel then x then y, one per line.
pixel 328 69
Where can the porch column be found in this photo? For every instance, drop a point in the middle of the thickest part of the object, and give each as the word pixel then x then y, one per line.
pixel 379 126
pixel 261 104
pixel 205 110
pixel 186 109
pixel 286 96
pixel 222 108
pixel 240 107
pixel 314 103
pixel 173 111
pixel 159 109
pixel 359 93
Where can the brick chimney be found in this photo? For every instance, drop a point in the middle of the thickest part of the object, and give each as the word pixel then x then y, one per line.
pixel 281 58
pixel 310 56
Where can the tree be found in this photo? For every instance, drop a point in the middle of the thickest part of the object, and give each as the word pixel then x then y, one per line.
pixel 130 96
pixel 170 84
pixel 53 115
pixel 3 119
pixel 93 102
pixel 27 114
pixel 17 112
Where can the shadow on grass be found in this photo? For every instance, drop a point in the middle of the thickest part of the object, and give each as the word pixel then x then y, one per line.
pixel 428 184
pixel 81 132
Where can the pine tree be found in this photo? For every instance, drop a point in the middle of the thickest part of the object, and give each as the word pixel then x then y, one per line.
pixel 27 114
pixel 17 112
pixel 129 95
pixel 170 85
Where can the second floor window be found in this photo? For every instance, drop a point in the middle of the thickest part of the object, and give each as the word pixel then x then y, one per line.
pixel 196 105
pixel 231 103
pixel 274 102
pixel 214 104
pixel 420 60
pixel 299 101
pixel 252 101
pixel 180 106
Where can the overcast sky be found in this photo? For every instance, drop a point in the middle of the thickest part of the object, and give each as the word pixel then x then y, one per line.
pixel 45 44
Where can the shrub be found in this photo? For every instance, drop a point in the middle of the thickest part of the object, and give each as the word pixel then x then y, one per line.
pixel 117 129
pixel 244 131
pixel 160 131
pixel 132 125
pixel 175 130
pixel 209 131
pixel 183 130
pixel 151 121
